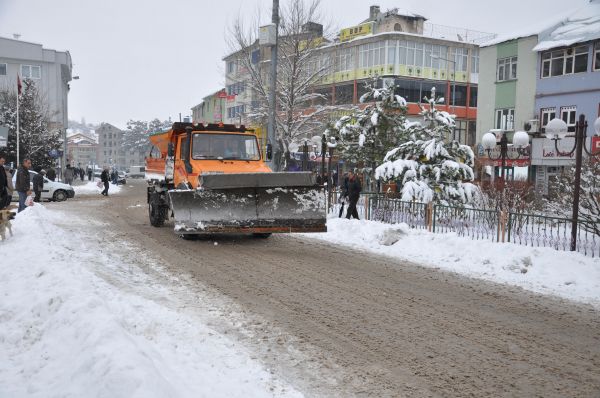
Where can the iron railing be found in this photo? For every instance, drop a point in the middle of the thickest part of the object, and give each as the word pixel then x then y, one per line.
pixel 518 228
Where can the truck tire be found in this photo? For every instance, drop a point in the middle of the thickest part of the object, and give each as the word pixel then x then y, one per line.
pixel 157 210
pixel 261 235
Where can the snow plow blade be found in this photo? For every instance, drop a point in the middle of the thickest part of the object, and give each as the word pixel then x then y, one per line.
pixel 251 203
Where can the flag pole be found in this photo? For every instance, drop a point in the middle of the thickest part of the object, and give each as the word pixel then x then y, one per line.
pixel 18 133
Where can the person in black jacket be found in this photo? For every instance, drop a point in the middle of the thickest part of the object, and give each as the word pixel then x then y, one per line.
pixel 104 178
pixel 23 183
pixel 354 189
pixel 3 184
pixel 38 184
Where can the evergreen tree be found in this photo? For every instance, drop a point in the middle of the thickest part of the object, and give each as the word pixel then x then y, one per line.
pixel 365 137
pixel 36 139
pixel 135 137
pixel 427 165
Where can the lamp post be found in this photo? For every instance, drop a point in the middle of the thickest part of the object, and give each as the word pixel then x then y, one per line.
pixel 556 130
pixel 520 141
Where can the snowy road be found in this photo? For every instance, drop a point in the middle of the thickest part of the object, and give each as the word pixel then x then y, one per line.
pixel 334 322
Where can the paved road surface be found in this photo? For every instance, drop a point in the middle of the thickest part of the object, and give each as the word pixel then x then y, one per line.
pixel 337 322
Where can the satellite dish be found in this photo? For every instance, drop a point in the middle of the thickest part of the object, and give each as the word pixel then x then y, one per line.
pixel 293 147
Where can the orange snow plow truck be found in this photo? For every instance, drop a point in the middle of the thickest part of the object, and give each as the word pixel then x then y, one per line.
pixel 213 179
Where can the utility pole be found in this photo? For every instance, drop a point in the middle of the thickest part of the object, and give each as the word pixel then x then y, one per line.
pixel 271 129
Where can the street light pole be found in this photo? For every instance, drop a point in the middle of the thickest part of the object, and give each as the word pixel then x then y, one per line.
pixel 556 130
pixel 520 141
pixel 271 129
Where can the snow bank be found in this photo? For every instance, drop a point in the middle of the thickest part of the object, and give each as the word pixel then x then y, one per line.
pixel 91 188
pixel 542 270
pixel 67 331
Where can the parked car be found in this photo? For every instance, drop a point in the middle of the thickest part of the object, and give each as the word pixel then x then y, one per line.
pixel 122 180
pixel 137 172
pixel 53 190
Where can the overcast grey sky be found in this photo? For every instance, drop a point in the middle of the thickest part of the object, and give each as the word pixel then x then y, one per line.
pixel 141 59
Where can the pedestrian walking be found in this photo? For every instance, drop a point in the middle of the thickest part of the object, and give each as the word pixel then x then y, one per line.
pixel 343 194
pixel 3 184
pixel 354 189
pixel 38 184
pixel 69 174
pixel 89 173
pixel 51 174
pixel 5 170
pixel 81 174
pixel 23 183
pixel 104 179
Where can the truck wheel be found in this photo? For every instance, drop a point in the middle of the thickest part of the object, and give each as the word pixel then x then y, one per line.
pixel 157 211
pixel 261 236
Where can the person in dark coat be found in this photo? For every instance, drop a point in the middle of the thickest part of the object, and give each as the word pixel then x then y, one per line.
pixel 354 189
pixel 23 183
pixel 344 194
pixel 69 174
pixel 104 178
pixel 38 184
pixel 51 174
pixel 89 173
pixel 81 173
pixel 3 184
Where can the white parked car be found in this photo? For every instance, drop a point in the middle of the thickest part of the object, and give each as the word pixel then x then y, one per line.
pixel 53 190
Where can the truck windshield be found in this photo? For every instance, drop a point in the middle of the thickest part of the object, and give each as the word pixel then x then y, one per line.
pixel 225 146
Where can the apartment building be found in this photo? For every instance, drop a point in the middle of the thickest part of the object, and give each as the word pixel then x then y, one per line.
pixel 82 150
pixel 400 48
pixel 51 70
pixel 211 109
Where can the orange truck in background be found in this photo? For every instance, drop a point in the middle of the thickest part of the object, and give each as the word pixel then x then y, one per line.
pixel 213 179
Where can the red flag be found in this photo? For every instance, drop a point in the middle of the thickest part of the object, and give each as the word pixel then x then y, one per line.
pixel 19 84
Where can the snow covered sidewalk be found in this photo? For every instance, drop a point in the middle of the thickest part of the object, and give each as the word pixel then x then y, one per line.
pixel 71 326
pixel 542 270
pixel 91 188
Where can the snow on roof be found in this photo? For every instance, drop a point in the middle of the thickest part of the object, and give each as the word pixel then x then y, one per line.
pixel 530 30
pixel 581 26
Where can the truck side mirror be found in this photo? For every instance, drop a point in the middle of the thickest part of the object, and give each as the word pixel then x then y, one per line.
pixel 171 150
pixel 269 152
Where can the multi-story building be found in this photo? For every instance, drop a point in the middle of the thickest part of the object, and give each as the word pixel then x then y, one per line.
pixel 49 69
pixel 82 150
pixel 567 85
pixel 111 151
pixel 402 49
pixel 413 54
pixel 211 109
pixel 507 85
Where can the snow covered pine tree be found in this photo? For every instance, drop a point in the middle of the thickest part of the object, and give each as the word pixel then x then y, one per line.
pixel 366 136
pixel 36 139
pixel 428 166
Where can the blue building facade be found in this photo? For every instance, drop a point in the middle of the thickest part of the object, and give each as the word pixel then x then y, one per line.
pixel 568 84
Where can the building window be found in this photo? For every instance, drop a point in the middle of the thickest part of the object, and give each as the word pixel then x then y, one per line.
pixel 505 119
pixel 391 52
pixel 473 97
pixel 2 69
pixel 461 56
pixel 568 114
pixel 31 71
pixel 255 56
pixel 372 54
pixel 231 66
pixel 507 69
pixel 344 60
pixel 564 62
pixel 344 94
pixel 475 60
pixel 547 114
pixel 597 56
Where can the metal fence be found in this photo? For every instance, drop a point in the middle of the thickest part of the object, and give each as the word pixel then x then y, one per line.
pixel 518 228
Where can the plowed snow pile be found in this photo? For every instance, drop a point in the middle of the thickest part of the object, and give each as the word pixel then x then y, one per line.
pixel 66 331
